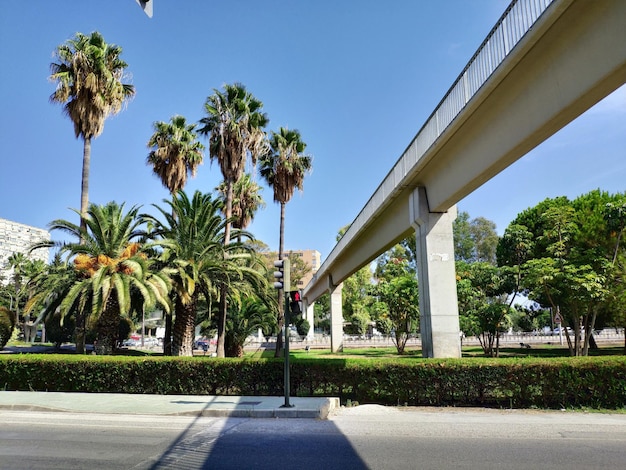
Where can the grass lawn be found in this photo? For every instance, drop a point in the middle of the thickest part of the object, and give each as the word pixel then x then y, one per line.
pixel 540 350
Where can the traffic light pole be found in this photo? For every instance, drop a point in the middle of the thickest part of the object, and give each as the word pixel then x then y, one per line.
pixel 286 351
pixel 283 283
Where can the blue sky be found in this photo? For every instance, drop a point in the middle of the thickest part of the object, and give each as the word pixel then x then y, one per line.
pixel 358 78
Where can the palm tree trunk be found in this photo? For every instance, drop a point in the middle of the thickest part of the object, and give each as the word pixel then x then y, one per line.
pixel 184 327
pixel 167 337
pixel 221 318
pixel 79 331
pixel 108 327
pixel 84 189
pixel 281 292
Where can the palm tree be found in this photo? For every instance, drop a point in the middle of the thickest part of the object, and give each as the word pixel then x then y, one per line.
pixel 192 239
pixel 284 167
pixel 111 268
pixel 24 271
pixel 175 153
pixel 246 200
pixel 88 76
pixel 234 125
pixel 247 316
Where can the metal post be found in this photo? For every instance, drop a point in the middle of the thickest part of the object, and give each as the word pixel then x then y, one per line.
pixel 286 351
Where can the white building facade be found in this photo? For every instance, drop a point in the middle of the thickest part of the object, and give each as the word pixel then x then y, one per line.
pixel 18 238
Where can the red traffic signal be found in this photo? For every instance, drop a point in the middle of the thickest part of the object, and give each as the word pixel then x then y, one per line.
pixel 295 301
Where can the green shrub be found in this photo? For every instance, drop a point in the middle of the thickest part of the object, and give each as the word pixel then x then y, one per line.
pixel 591 382
pixel 58 333
pixel 7 323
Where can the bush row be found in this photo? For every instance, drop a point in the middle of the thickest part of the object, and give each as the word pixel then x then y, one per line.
pixel 598 382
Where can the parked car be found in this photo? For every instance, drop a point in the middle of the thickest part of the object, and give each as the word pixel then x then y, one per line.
pixel 203 344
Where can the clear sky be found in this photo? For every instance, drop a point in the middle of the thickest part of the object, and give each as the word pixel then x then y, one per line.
pixel 358 78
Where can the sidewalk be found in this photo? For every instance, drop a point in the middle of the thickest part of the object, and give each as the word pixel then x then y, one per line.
pixel 170 405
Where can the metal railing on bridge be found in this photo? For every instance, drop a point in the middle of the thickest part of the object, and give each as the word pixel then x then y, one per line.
pixel 516 21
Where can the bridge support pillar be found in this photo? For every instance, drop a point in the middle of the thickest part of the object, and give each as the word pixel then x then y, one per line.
pixel 309 314
pixel 336 317
pixel 436 275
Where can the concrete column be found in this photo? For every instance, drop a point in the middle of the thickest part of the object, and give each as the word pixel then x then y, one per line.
pixel 309 312
pixel 336 318
pixel 436 275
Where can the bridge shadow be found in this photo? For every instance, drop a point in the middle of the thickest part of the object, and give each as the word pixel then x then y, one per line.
pixel 260 443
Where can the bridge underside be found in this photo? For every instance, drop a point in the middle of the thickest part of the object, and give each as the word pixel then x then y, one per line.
pixel 572 57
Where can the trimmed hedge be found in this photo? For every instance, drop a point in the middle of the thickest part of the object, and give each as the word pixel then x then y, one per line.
pixel 595 382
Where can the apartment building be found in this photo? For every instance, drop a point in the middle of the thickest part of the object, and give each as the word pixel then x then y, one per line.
pixel 17 238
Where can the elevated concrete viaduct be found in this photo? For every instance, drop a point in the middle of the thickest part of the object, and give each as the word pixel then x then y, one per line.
pixel 543 64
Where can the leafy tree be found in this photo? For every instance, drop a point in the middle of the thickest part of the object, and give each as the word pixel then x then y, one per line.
pixel 400 294
pixel 59 330
pixel 569 265
pixel 321 313
pixel 356 297
pixel 474 240
pixel 394 262
pixel 482 290
pixel 234 124
pixel 175 153
pixel 7 323
pixel 615 217
pixel 464 245
pixel 88 75
pixel 283 167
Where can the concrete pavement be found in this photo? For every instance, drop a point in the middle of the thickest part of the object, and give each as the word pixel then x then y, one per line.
pixel 170 405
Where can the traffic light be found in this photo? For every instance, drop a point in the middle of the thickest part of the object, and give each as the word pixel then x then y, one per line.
pixel 295 301
pixel 282 276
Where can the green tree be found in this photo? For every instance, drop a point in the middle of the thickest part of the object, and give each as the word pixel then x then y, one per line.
pixel 175 153
pixel 283 167
pixel 111 269
pixel 247 200
pixel 569 265
pixel 50 287
pixel 234 125
pixel 7 323
pixel 88 74
pixel 192 239
pixel 400 294
pixel 463 241
pixel 474 240
pixel 482 291
pixel 23 271
pixel 245 317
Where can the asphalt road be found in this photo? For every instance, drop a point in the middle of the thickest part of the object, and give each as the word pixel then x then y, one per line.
pixel 364 437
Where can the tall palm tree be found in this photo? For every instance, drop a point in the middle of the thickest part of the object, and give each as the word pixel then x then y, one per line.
pixel 112 268
pixel 88 75
pixel 284 167
pixel 234 125
pixel 192 239
pixel 175 153
pixel 246 200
